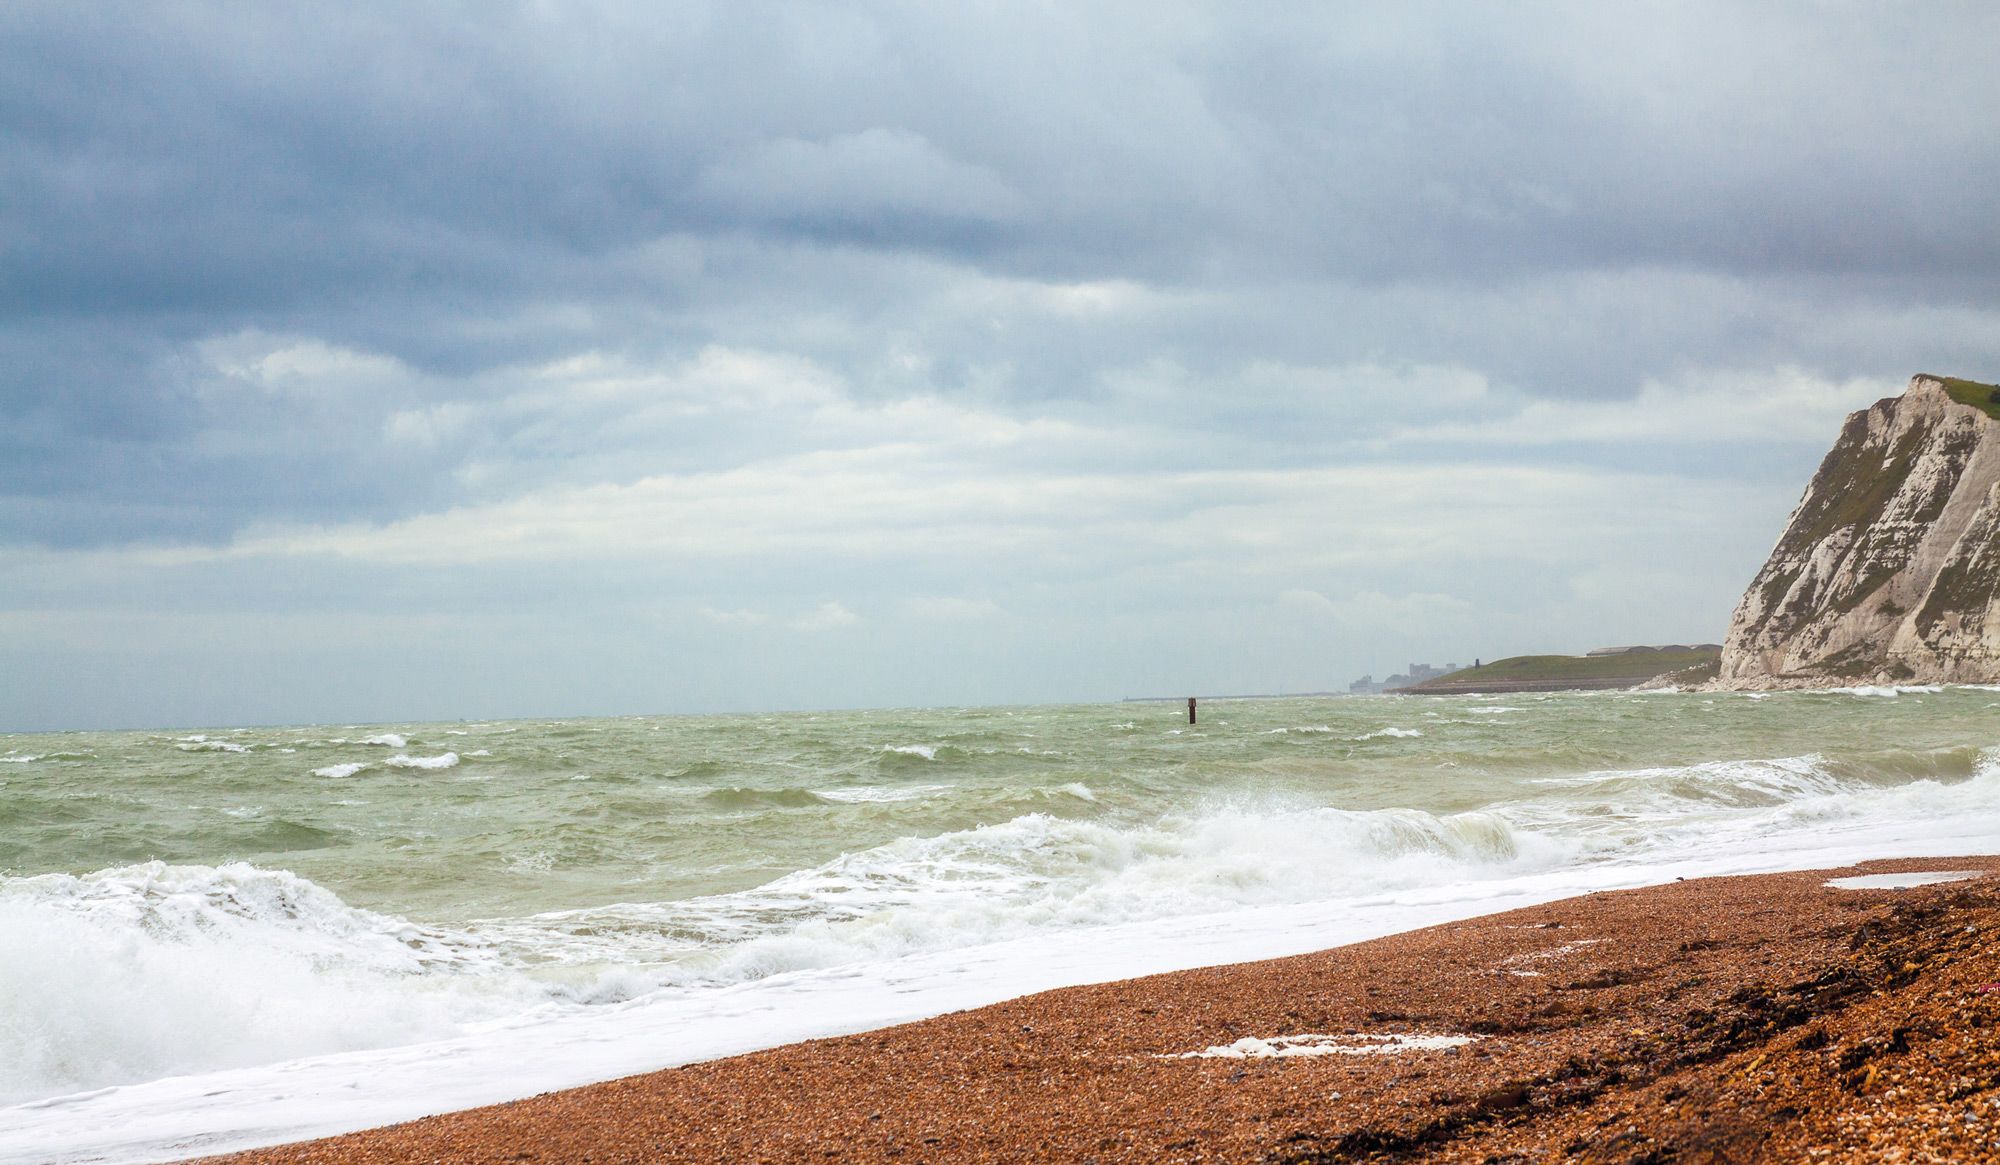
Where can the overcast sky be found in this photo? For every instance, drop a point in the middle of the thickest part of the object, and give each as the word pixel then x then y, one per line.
pixel 389 361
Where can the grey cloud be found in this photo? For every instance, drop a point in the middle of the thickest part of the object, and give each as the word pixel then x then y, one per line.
pixel 233 160
pixel 868 178
pixel 1268 238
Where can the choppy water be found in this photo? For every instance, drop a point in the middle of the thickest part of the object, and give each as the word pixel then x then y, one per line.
pixel 182 903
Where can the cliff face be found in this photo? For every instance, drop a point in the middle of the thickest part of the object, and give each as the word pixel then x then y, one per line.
pixel 1888 569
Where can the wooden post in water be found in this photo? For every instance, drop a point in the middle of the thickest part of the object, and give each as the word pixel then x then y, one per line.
pixel 1190 709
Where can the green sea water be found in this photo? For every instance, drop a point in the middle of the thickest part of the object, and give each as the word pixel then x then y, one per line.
pixel 454 821
pixel 440 874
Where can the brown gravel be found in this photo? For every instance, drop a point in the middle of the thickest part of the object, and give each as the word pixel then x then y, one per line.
pixel 1729 1019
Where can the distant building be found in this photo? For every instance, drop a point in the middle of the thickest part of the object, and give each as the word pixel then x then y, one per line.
pixel 1417 674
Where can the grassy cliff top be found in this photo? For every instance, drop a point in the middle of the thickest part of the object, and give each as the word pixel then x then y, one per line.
pixel 1984 397
pixel 1640 665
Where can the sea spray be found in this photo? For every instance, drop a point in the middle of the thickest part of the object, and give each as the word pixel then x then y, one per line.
pixel 150 970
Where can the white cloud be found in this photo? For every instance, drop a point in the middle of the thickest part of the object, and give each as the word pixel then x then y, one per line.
pixel 825 617
pixel 294 365
pixel 947 503
pixel 1739 407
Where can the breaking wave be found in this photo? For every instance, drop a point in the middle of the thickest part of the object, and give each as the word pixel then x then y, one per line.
pixel 341 770
pixel 406 761
pixel 142 971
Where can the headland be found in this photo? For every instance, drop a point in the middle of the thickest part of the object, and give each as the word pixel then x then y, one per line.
pixel 1610 668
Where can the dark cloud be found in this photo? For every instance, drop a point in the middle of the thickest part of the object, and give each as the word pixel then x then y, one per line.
pixel 295 265
pixel 199 158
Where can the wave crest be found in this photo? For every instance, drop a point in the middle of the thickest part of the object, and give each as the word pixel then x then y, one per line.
pixel 132 973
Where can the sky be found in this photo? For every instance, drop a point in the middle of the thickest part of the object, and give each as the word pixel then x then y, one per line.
pixel 378 361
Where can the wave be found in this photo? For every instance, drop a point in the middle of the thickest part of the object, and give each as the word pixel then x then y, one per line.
pixel 1761 806
pixel 1040 870
pixel 404 760
pixel 1774 780
pixel 738 797
pixel 142 971
pixel 203 744
pixel 926 751
pixel 881 794
pixel 1888 691
pixel 341 770
pixel 1028 874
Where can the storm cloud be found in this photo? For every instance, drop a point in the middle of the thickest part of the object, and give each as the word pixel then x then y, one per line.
pixel 610 357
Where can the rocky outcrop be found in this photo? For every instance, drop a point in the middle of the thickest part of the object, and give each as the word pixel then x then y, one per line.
pixel 1888 569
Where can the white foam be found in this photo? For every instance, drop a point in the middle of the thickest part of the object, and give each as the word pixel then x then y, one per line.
pixel 145 971
pixel 1390 732
pixel 342 770
pixel 387 739
pixel 405 761
pixel 201 744
pixel 1491 711
pixel 1033 873
pixel 188 1114
pixel 1903 881
pixel 19 758
pixel 1889 691
pixel 1310 1044
pixel 1560 951
pixel 927 751
pixel 924 925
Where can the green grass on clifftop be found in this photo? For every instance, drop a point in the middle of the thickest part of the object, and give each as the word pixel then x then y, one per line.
pixel 1639 665
pixel 1984 397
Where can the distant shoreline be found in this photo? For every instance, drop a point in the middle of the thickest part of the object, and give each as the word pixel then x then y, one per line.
pixel 1243 696
pixel 1512 687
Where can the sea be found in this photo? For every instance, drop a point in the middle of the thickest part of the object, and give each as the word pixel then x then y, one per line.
pixel 229 937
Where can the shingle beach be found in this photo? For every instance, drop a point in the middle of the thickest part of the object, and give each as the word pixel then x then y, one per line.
pixel 1762 1018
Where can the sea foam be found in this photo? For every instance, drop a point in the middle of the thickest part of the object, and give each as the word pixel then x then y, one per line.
pixel 133 973
pixel 341 770
pixel 406 761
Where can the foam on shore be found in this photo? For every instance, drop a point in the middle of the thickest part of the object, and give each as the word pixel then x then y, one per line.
pixel 1903 881
pixel 1310 1044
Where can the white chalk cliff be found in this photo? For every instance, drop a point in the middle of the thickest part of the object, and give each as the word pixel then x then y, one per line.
pixel 1888 568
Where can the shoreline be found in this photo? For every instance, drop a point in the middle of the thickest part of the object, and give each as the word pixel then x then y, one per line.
pixel 1729 1018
